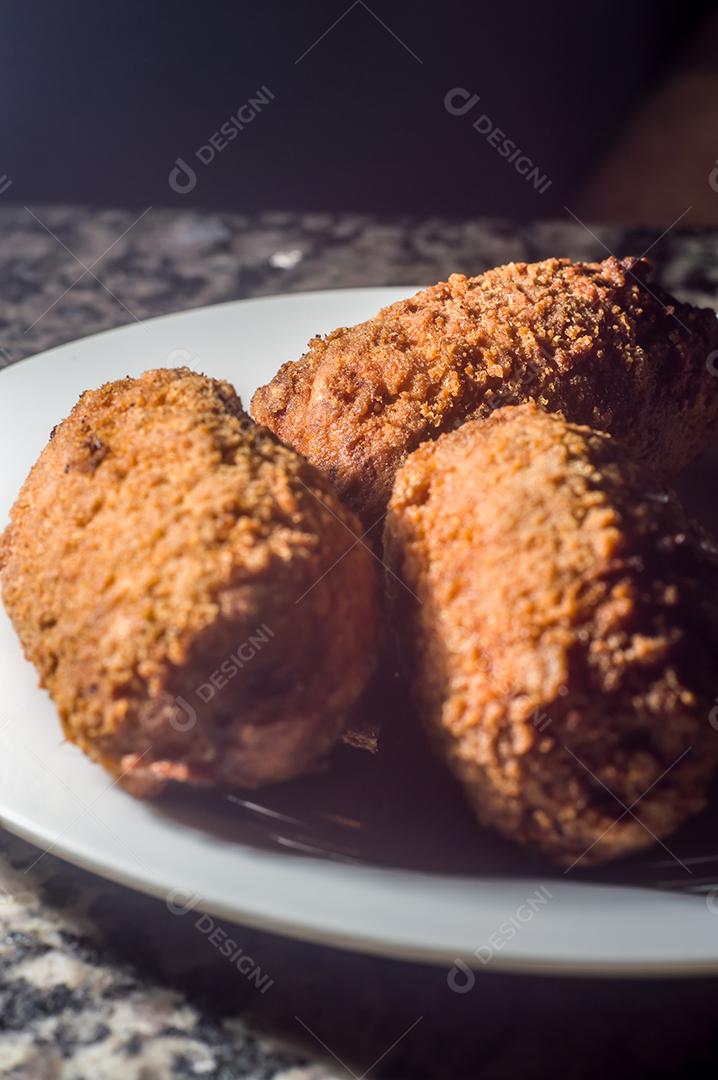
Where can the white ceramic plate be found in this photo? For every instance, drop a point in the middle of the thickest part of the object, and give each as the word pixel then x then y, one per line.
pixel 53 796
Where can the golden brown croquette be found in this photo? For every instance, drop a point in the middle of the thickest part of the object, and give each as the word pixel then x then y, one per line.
pixel 564 644
pixel 596 341
pixel 189 589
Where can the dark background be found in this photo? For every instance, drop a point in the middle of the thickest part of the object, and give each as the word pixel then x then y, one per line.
pixel 100 99
pixel 618 104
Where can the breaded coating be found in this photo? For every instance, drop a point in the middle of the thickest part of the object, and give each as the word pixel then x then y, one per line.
pixel 189 589
pixel 563 645
pixel 592 340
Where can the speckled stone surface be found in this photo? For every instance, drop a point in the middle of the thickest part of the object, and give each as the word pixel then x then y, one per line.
pixel 100 983
pixel 69 273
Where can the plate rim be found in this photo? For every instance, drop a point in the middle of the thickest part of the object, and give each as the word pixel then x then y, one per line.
pixel 286 926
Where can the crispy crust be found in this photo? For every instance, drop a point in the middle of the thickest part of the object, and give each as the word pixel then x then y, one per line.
pixel 165 550
pixel 565 645
pixel 593 340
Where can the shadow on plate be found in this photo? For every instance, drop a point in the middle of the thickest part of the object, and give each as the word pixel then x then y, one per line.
pixel 399 808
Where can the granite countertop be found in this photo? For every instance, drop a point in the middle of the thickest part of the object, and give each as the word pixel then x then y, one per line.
pixel 101 983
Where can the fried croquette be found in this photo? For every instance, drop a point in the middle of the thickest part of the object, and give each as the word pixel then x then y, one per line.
pixel 189 589
pixel 592 340
pixel 562 639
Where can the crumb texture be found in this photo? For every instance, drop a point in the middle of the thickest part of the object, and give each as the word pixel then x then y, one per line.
pixel 163 547
pixel 563 645
pixel 596 341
